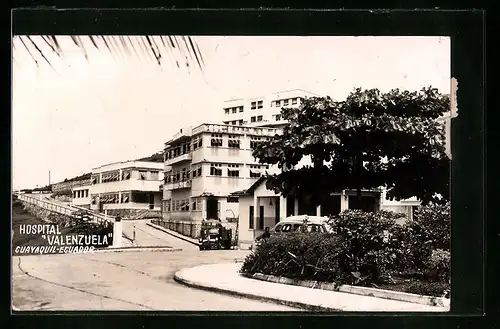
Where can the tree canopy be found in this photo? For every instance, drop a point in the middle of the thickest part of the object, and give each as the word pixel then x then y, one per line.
pixel 370 140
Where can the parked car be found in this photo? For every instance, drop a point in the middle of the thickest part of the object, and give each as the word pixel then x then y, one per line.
pixel 294 223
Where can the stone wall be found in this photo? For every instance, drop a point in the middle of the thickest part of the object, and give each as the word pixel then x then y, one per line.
pixel 193 229
pixel 131 213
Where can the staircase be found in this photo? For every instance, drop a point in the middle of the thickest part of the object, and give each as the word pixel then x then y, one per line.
pixel 64 209
pixel 146 213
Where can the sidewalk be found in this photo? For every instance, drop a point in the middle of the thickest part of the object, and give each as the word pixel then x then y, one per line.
pixel 173 233
pixel 225 278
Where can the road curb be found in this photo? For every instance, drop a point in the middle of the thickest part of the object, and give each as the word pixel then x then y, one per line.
pixel 135 249
pixel 363 291
pixel 174 235
pixel 203 286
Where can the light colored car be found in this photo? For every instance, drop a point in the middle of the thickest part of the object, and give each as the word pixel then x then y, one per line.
pixel 293 223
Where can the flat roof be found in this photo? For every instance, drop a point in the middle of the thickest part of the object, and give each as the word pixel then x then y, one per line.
pixel 132 163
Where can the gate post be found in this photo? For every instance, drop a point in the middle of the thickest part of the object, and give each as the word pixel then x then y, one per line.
pixel 117 232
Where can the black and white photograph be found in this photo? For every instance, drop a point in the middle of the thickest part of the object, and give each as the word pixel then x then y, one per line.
pixel 231 173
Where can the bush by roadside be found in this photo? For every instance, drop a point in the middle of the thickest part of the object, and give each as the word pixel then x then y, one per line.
pixel 367 249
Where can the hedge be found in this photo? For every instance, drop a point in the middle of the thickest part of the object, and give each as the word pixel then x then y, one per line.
pixel 364 249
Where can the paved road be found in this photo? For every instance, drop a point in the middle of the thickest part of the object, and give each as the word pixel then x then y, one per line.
pixel 146 236
pixel 141 280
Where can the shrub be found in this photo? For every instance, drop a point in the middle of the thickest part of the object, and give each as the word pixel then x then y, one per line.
pixel 438 266
pixel 371 249
pixel 435 222
pixel 311 256
pixel 430 230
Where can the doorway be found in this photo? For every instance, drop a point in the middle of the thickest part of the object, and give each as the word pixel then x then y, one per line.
pixel 212 208
pixel 151 201
pixel 276 210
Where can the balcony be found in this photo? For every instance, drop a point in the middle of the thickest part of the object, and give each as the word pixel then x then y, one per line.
pixel 218 128
pixel 178 159
pixel 177 185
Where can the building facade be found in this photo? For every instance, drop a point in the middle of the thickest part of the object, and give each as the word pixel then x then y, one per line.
pixel 127 188
pixel 81 195
pixel 204 165
pixel 262 111
pixel 260 208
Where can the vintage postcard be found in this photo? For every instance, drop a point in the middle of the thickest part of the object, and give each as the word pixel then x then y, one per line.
pixel 231 173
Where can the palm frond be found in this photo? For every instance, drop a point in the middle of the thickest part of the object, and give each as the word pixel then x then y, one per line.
pixel 145 49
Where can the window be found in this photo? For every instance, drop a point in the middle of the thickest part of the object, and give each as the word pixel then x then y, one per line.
pixel 197 172
pixel 110 177
pixel 294 101
pixel 252 119
pixel 86 193
pixel 93 199
pixel 234 109
pixel 253 105
pixel 216 169
pixel 255 174
pixel 216 140
pixel 197 142
pixel 167 205
pixel 241 108
pixel 250 218
pixel 233 172
pixel 183 205
pixel 234 141
pixel 240 122
pixel 232 199
pixel 234 123
pixel 125 174
pixel 285 103
pixel 226 111
pixel 155 175
pixel 278 228
pixel 142 174
pixel 259 104
pixel 286 228
pixel 110 198
pixel 95 179
pixel 125 197
pixel 254 142
pixel 278 103
pixel 278 117
pixel 194 202
pixel 259 118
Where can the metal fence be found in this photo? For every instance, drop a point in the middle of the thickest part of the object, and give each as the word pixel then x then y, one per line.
pixel 64 210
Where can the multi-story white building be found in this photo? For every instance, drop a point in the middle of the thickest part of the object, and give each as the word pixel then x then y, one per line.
pixel 127 188
pixel 262 111
pixel 205 164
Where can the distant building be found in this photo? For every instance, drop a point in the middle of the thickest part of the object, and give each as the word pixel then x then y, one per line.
pixel 81 195
pixel 65 187
pixel 127 188
pixel 264 110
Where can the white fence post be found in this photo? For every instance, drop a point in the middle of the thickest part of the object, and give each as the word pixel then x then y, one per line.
pixel 117 233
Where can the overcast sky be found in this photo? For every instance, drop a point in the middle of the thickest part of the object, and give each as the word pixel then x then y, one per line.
pixel 111 109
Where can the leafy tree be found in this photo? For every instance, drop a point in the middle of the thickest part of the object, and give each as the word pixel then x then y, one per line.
pixel 371 139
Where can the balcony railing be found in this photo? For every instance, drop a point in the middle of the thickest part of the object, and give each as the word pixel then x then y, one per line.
pixel 217 128
pixel 177 159
pixel 177 185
